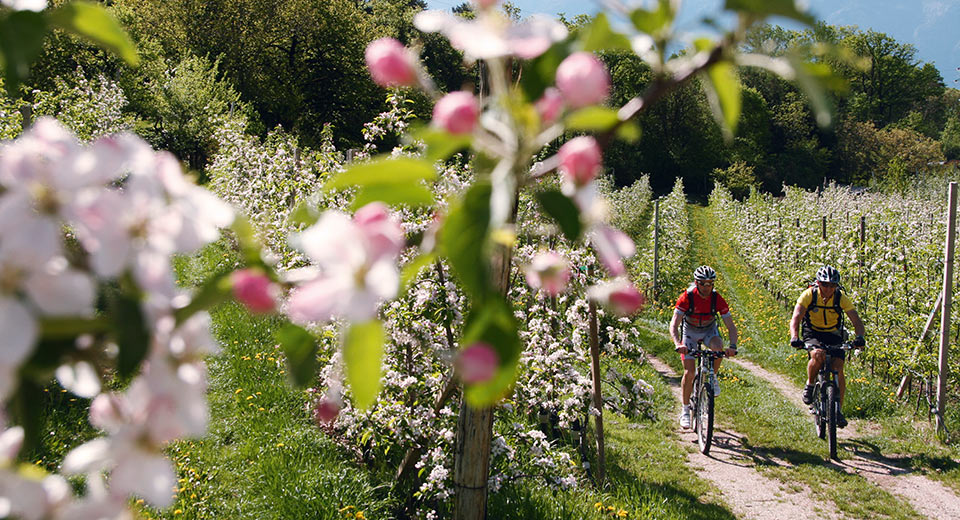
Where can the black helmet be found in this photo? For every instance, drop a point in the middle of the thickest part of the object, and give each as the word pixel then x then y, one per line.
pixel 704 272
pixel 828 274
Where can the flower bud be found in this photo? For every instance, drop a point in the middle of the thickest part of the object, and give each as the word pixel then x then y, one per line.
pixel 583 80
pixel 477 363
pixel 548 271
pixel 254 290
pixel 326 411
pixel 390 63
pixel 456 112
pixel 549 105
pixel 580 160
pixel 383 234
pixel 612 246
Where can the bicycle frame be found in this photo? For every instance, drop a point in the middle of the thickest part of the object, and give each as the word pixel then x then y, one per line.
pixel 826 403
pixel 703 397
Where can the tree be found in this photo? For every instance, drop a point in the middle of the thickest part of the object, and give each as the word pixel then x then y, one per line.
pixel 950 139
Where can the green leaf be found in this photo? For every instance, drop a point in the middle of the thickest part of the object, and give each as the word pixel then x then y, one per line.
pixel 363 354
pixel 305 214
pixel 464 237
pixel 412 269
pixel 629 131
pixel 492 322
pixel 540 73
pixel 764 8
pixel 653 21
pixel 410 194
pixel 69 328
pixel 21 40
pixel 598 36
pixel 563 211
pixel 213 291
pixel 131 331
pixel 592 119
pixel 96 24
pixel 440 143
pixel 300 349
pixel 389 171
pixel 813 78
pixel 726 87
pixel 246 237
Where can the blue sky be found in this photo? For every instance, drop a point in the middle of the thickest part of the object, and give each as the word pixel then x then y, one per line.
pixel 932 26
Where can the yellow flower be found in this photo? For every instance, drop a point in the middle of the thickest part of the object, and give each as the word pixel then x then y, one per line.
pixel 359 516
pixel 238 390
pixel 622 513
pixel 178 512
pixel 280 444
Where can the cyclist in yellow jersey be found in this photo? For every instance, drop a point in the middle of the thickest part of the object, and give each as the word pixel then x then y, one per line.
pixel 822 325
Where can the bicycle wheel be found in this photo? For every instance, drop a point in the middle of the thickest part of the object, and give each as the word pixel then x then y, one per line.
pixel 705 419
pixel 819 412
pixel 695 402
pixel 831 409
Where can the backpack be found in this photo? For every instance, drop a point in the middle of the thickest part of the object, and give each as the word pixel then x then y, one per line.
pixel 713 305
pixel 835 306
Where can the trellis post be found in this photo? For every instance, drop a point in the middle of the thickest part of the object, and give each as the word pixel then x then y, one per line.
pixel 947 302
pixel 597 395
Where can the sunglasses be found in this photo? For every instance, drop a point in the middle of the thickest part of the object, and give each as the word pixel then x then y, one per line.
pixel 705 284
pixel 827 285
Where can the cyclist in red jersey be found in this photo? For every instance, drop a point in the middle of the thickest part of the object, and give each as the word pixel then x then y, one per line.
pixel 697 309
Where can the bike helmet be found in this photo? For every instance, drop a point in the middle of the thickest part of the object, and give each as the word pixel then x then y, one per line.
pixel 828 274
pixel 704 272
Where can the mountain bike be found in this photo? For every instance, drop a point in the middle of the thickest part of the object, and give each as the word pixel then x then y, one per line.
pixel 703 396
pixel 826 397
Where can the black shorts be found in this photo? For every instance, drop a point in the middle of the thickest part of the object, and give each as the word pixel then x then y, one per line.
pixel 818 338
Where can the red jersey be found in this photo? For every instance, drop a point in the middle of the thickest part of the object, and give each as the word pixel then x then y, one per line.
pixel 701 316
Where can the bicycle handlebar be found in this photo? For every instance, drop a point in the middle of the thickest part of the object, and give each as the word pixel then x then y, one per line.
pixel 847 345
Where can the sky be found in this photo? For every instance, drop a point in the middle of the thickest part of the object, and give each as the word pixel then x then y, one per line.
pixel 932 26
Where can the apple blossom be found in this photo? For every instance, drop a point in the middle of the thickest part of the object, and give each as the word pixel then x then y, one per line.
pixel 619 295
pixel 390 63
pixel 485 4
pixel 492 36
pixel 549 105
pixel 583 80
pixel 326 411
pixel 456 112
pixel 477 363
pixel 548 271
pixel 612 246
pixel 254 290
pixel 580 160
pixel 26 5
pixel 356 261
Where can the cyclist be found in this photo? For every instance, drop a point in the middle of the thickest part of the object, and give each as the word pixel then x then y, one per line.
pixel 697 310
pixel 822 325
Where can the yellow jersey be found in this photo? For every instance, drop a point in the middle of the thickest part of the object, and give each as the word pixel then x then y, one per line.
pixel 821 315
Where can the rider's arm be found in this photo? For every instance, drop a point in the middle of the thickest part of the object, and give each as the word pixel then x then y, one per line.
pixel 856 321
pixel 731 328
pixel 798 313
pixel 675 327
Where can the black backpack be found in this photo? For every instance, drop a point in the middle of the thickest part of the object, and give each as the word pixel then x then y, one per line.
pixel 835 306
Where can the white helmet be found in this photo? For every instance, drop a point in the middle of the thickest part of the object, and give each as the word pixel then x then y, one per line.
pixel 828 274
pixel 704 272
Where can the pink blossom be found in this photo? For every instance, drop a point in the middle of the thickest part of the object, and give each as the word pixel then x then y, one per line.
pixel 620 296
pixel 580 159
pixel 456 112
pixel 612 246
pixel 485 4
pixel 356 261
pixel 477 363
pixel 492 36
pixel 390 63
pixel 326 411
pixel 549 105
pixel 583 80
pixel 548 271
pixel 253 289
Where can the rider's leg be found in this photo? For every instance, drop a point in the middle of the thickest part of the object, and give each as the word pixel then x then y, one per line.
pixel 689 372
pixel 817 357
pixel 716 344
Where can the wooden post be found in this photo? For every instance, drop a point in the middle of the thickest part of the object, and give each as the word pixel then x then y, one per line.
pixel 26 113
pixel 905 382
pixel 863 248
pixel 656 247
pixel 947 302
pixel 597 395
pixel 823 227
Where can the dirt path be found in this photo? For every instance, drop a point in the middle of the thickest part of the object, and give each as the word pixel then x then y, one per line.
pixel 928 497
pixel 729 466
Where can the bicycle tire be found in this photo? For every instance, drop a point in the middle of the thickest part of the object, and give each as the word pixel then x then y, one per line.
pixel 831 406
pixel 819 417
pixel 705 420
